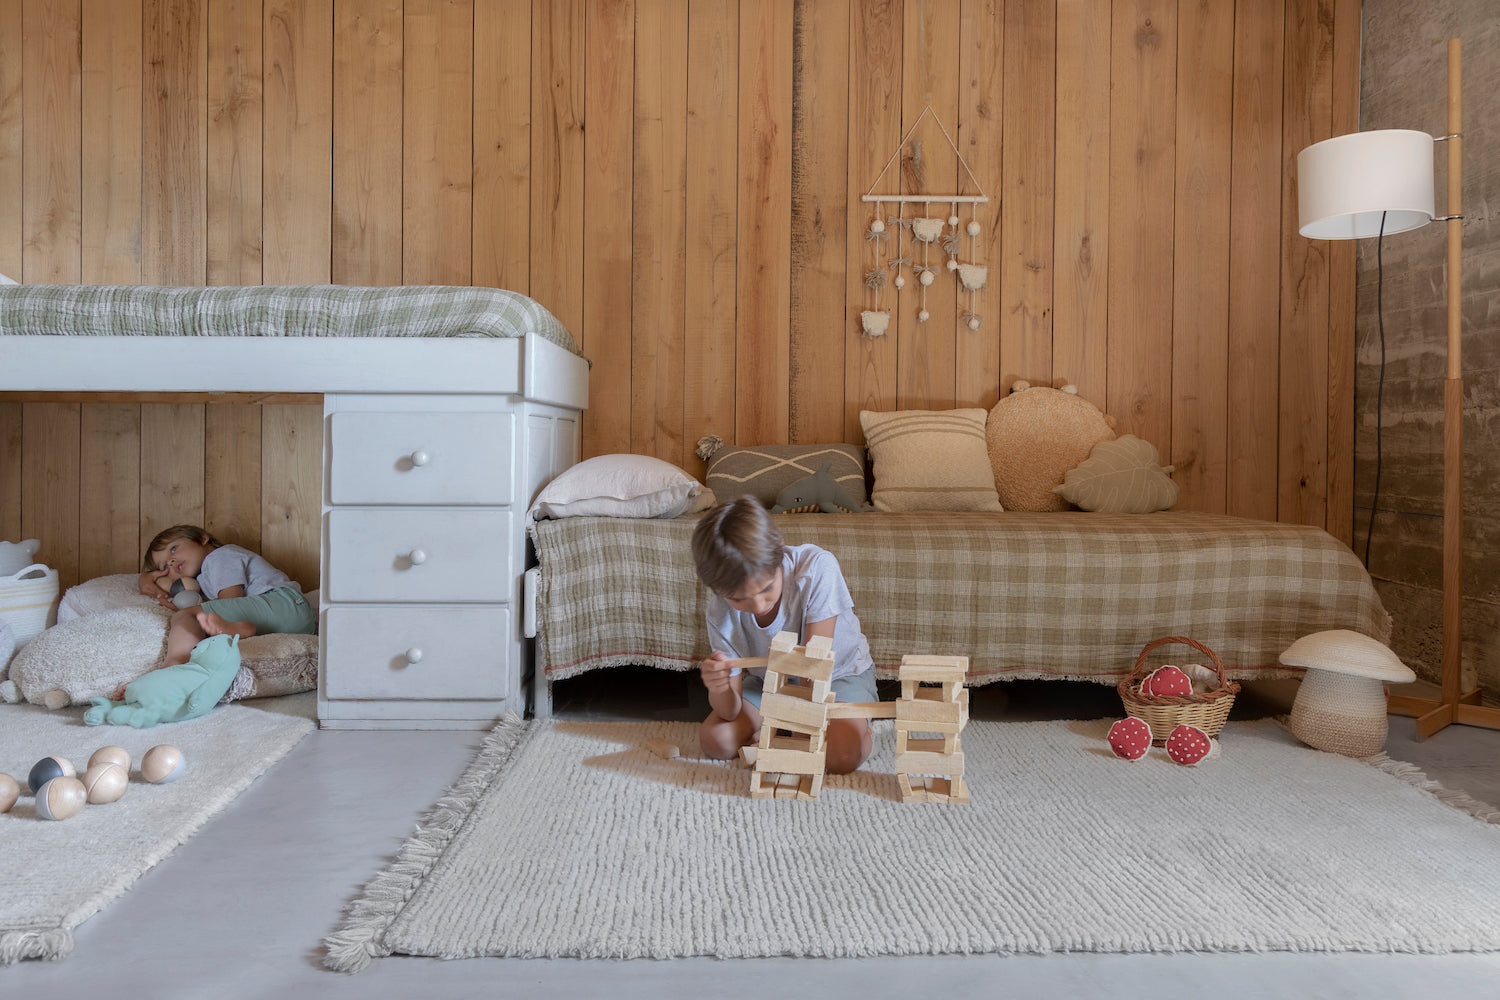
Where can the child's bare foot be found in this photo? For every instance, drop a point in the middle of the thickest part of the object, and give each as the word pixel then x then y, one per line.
pixel 213 624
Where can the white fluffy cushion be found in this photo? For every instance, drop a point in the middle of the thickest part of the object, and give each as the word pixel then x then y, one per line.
pixel 117 590
pixel 620 486
pixel 930 460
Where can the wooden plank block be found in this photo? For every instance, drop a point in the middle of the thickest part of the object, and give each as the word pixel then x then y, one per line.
pixel 783 738
pixel 659 213
pixel 1200 293
pixel 1025 286
pixel 915 762
pixel 763 278
pixel 1255 279
pixel 604 332
pixel 233 179
pixel 1080 283
pixel 944 745
pixel 367 130
pixel 862 710
pixel 788 786
pixel 911 791
pixel 820 202
pixel 911 712
pixel 12 179
pixel 50 485
pixel 762 786
pixel 980 135
pixel 502 144
pixel 174 143
pixel 232 474
pixel 437 204
pixel 291 483
pixel 783 709
pixel 298 120
pixel 111 65
pixel 51 144
pixel 790 761
pixel 109 490
pixel 708 370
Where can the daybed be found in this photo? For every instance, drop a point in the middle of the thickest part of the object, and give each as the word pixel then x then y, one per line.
pixel 445 408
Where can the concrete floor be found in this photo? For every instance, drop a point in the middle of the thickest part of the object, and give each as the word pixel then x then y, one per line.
pixel 240 910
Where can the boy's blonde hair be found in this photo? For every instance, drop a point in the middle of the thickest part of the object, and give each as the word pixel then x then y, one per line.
pixel 736 543
pixel 191 532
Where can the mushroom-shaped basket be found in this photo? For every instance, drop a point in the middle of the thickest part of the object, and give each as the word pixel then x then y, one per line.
pixel 1163 713
pixel 1341 705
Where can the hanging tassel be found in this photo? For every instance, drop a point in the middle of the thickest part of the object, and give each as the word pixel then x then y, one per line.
pixel 708 444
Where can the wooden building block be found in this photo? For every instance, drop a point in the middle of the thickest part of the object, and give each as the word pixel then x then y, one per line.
pixel 929 714
pixel 663 748
pixel 862 710
pixel 914 762
pixel 791 708
pixel 792 761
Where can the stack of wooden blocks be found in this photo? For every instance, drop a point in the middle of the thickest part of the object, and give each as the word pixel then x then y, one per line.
pixel 933 709
pixel 789 762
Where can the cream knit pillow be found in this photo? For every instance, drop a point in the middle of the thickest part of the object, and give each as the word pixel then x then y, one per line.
pixel 930 460
pixel 1122 476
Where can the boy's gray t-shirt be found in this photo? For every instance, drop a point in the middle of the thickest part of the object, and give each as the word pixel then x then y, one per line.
pixel 232 566
pixel 812 590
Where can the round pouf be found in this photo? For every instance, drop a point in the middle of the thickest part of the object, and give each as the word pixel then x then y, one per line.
pixel 1340 713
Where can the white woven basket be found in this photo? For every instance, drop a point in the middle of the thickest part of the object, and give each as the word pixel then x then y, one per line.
pixel 28 601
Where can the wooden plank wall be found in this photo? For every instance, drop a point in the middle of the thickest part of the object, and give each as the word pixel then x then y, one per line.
pixel 680 182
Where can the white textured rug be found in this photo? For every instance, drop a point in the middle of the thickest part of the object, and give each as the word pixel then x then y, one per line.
pixel 58 874
pixel 571 839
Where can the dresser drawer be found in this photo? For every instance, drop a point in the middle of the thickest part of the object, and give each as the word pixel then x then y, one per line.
pixel 417 653
pixel 419 555
pixel 421 458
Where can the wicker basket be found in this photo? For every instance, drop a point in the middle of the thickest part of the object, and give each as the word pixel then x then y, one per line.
pixel 1163 713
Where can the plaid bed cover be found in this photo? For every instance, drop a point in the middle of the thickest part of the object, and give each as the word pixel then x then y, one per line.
pixel 276 311
pixel 1055 595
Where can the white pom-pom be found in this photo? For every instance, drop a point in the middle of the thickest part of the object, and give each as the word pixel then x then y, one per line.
pixel 900 282
pixel 952 264
pixel 973 228
pixel 926 278
pixel 923 316
pixel 877 226
pixel 973 322
pixel 952 220
pixel 1070 388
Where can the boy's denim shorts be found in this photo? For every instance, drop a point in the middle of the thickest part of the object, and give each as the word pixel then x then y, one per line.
pixel 854 687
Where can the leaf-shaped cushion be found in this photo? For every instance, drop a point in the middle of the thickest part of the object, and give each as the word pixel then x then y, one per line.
pixel 1122 476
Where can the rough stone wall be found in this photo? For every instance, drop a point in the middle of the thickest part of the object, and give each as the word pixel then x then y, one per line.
pixel 1403 84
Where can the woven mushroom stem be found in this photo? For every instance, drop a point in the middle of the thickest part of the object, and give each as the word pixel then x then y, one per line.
pixel 1340 713
pixel 1208 710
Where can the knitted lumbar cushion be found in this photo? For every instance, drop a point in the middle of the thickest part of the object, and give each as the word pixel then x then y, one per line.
pixel 1035 435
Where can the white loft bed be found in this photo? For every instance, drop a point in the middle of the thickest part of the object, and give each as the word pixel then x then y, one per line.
pixel 433 447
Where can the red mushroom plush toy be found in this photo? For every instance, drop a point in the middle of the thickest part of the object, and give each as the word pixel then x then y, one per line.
pixel 1167 680
pixel 1189 744
pixel 1130 738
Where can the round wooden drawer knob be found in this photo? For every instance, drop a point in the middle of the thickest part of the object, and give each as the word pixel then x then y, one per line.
pixel 420 458
pixel 417 557
pixel 414 655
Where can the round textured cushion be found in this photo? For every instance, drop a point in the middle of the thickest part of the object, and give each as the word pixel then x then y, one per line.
pixel 1036 435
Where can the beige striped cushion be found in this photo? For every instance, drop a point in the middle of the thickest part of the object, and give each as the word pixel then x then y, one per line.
pixel 930 460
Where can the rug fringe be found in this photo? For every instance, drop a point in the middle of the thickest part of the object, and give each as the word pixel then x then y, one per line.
pixel 52 944
pixel 358 939
pixel 1417 778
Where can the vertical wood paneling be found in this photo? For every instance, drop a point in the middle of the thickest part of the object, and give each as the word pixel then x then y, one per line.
pixel 50 484
pixel 174 143
pixel 763 341
pixel 172 466
pixel 1142 168
pixel 367 130
pixel 1255 277
pixel 925 374
pixel 10 471
pixel 820 179
pixel 109 515
pixel 12 183
pixel 980 141
pixel 52 137
pixel 557 162
pixel 437 199
pixel 112 155
pixel 712 149
pixel 234 142
pixel 1340 487
pixel 1080 282
pixel 291 476
pixel 1200 292
pixel 298 172
pixel 658 261
pixel 605 333
pixel 874 133
pixel 502 146
pixel 232 480
pixel 1307 102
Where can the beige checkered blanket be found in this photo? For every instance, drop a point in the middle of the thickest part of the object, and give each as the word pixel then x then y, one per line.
pixel 1057 595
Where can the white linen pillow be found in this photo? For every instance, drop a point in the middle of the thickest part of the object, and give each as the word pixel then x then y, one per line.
pixel 115 590
pixel 619 486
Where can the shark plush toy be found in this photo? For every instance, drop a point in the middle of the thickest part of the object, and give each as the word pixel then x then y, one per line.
pixel 174 694
pixel 821 491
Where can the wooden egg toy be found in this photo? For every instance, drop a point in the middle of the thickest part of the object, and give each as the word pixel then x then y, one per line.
pixel 162 763
pixel 106 781
pixel 10 790
pixel 115 755
pixel 60 798
pixel 48 768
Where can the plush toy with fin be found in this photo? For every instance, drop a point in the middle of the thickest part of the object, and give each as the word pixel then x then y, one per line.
pixel 174 694
pixel 819 491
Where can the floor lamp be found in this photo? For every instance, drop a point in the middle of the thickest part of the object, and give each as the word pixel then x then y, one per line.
pixel 1372 183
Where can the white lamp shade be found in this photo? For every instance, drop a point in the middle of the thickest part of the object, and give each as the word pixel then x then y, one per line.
pixel 1344 184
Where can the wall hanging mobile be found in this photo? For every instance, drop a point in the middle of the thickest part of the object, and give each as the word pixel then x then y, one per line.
pixel 892 264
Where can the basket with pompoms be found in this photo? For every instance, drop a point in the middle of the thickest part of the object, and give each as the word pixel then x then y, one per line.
pixel 1166 697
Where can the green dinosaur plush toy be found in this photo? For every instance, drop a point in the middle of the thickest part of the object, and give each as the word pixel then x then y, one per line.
pixel 819 490
pixel 174 694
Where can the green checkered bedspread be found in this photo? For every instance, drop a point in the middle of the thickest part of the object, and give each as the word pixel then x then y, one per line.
pixel 1057 595
pixel 276 311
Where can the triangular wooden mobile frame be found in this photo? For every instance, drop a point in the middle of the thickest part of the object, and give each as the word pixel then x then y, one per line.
pixel 907 199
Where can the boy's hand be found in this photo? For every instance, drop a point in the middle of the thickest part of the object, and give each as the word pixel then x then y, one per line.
pixel 715 670
pixel 151 584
